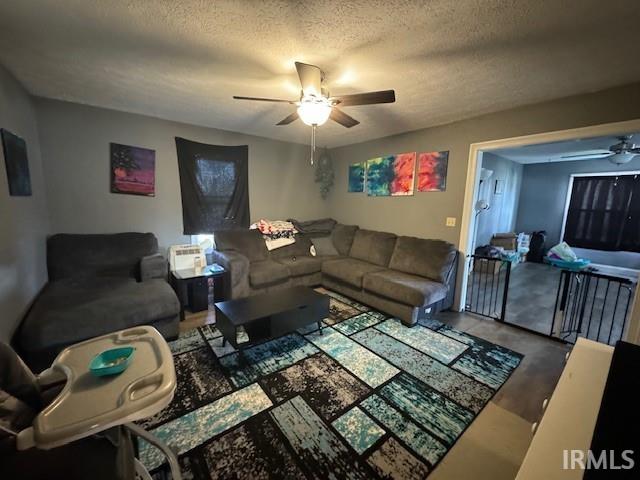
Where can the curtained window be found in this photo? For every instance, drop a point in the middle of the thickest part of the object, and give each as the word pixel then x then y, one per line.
pixel 604 213
pixel 214 186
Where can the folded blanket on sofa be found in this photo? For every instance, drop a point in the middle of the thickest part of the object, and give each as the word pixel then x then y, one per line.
pixel 276 233
pixel 278 242
pixel 322 226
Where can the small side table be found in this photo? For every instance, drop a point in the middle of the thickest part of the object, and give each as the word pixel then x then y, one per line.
pixel 192 287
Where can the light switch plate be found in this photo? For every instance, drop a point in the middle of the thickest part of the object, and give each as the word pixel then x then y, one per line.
pixel 451 221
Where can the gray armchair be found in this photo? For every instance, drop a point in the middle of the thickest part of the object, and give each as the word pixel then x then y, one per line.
pixel 97 284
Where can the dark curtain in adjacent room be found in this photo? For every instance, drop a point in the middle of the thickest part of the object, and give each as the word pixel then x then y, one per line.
pixel 604 213
pixel 214 183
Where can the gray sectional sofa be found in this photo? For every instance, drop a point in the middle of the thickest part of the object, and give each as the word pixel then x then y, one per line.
pixel 97 284
pixel 405 277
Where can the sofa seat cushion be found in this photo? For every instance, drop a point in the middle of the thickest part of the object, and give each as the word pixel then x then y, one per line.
pixel 302 265
pixel 404 287
pixel 267 272
pixel 75 309
pixel 349 270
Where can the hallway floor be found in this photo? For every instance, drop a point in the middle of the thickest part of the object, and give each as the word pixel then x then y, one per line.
pixel 532 295
pixel 533 288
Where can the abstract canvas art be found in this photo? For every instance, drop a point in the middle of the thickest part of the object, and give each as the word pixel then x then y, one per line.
pixel 356 177
pixel 391 175
pixel 432 171
pixel 133 170
pixel 16 164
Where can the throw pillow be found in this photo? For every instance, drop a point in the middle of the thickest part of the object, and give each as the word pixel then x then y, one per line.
pixel 324 246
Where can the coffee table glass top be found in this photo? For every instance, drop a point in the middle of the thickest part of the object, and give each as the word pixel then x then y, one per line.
pixel 245 310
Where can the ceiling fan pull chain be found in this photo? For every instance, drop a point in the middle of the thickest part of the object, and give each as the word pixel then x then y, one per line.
pixel 313 142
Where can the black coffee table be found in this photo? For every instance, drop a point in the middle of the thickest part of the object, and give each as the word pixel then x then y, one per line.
pixel 270 315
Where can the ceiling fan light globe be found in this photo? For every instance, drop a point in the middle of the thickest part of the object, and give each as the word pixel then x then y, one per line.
pixel 621 158
pixel 314 111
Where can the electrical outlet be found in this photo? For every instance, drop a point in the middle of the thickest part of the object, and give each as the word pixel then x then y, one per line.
pixel 451 221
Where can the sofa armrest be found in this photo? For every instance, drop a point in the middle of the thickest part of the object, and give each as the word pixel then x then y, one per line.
pixel 153 266
pixel 238 267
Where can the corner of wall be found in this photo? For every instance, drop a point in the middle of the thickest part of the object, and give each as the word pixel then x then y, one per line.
pixel 26 222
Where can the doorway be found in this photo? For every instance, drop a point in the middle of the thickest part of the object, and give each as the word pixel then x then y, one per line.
pixel 597 303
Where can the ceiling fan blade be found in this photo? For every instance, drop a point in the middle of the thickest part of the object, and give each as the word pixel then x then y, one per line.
pixel 369 98
pixel 342 118
pixel 291 118
pixel 259 99
pixel 588 155
pixel 310 78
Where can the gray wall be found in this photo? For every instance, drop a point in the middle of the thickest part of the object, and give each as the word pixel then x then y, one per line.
pixel 543 198
pixel 501 216
pixel 75 143
pixel 24 221
pixel 424 214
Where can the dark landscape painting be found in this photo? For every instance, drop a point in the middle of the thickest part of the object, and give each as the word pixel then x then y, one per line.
pixel 16 163
pixel 133 170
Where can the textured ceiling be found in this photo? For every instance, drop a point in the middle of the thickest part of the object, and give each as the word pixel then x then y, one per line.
pixel 553 152
pixel 447 60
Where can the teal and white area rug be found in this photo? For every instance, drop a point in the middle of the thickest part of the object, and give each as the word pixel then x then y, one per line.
pixel 367 398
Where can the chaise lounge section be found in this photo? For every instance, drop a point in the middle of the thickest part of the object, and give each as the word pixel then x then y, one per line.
pixel 406 277
pixel 97 284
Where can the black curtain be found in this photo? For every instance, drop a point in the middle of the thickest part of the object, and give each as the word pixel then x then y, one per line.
pixel 604 213
pixel 214 184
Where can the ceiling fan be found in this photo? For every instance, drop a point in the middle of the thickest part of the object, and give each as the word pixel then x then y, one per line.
pixel 316 106
pixel 620 153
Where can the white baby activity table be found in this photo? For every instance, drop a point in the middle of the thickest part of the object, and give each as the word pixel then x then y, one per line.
pixel 88 404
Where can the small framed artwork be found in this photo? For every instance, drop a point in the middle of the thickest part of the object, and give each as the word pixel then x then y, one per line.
pixel 16 164
pixel 356 177
pixel 432 171
pixel 499 188
pixel 133 170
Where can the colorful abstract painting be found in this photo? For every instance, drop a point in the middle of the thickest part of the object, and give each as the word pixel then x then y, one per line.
pixel 391 175
pixel 432 171
pixel 133 170
pixel 356 176
pixel 16 164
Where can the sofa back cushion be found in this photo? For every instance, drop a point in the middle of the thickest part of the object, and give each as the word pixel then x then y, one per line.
pixel 342 237
pixel 432 259
pixel 373 247
pixel 324 247
pixel 119 254
pixel 245 241
pixel 298 249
